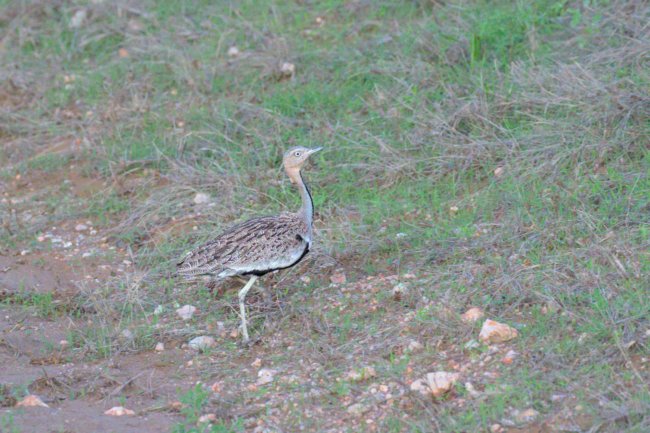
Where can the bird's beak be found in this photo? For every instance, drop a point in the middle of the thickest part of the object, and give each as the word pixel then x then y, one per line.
pixel 312 151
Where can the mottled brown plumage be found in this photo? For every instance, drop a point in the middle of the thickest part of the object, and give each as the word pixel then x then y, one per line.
pixel 260 245
pixel 257 246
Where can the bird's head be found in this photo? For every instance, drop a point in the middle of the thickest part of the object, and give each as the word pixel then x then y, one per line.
pixel 294 159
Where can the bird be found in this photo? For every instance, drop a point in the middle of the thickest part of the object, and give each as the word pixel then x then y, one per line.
pixel 260 245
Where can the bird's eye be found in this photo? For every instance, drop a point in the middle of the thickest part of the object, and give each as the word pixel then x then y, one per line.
pixel 297 153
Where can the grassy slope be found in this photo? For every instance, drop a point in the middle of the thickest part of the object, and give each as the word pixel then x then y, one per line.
pixel 417 103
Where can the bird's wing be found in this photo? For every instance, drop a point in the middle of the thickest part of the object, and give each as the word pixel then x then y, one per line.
pixel 255 245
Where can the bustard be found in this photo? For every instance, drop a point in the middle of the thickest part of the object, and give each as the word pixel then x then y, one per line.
pixel 259 245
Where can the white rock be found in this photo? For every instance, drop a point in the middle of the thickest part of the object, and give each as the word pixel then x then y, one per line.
pixel 78 18
pixel 288 69
pixel 186 312
pixel 233 51
pixel 471 390
pixel 208 417
pixel 526 416
pixel 441 381
pixel 363 374
pixel 119 411
pixel 357 409
pixel 420 386
pixel 495 332
pixel 31 401
pixel 472 315
pixel 264 376
pixel 399 290
pixel 81 227
pixel 201 198
pixel 201 343
pixel 160 346
pixel 414 346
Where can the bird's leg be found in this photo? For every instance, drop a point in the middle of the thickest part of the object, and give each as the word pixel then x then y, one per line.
pixel 242 307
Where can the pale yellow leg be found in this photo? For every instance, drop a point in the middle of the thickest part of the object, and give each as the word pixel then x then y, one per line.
pixel 242 307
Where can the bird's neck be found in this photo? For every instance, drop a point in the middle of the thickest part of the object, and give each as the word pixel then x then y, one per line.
pixel 307 209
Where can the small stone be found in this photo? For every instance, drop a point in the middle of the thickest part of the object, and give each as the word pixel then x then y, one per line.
pixel 208 417
pixel 441 381
pixel 81 227
pixel 435 384
pixel 288 69
pixel 123 53
pixel 25 252
pixel 201 198
pixel 496 428
pixel 419 385
pixel 31 401
pixel 119 411
pixel 264 376
pixel 509 357
pixel 526 416
pixel 471 390
pixel 357 409
pixel 64 344
pixel 216 387
pixel 472 315
pixel 201 343
pixel 176 406
pixel 233 51
pixel 257 363
pixel 363 374
pixel 414 346
pixel 160 346
pixel 399 291
pixel 453 209
pixel 472 344
pixel 495 332
pixel 186 312
pixel 41 238
pixel 498 172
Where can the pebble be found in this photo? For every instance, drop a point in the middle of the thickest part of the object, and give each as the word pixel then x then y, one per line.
pixel 526 416
pixel 414 346
pixel 357 409
pixel 264 376
pixel 201 198
pixel 186 312
pixel 208 417
pixel 160 346
pixel 201 343
pixel 288 69
pixel 81 227
pixel 495 332
pixel 472 315
pixel 119 411
pixel 31 401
